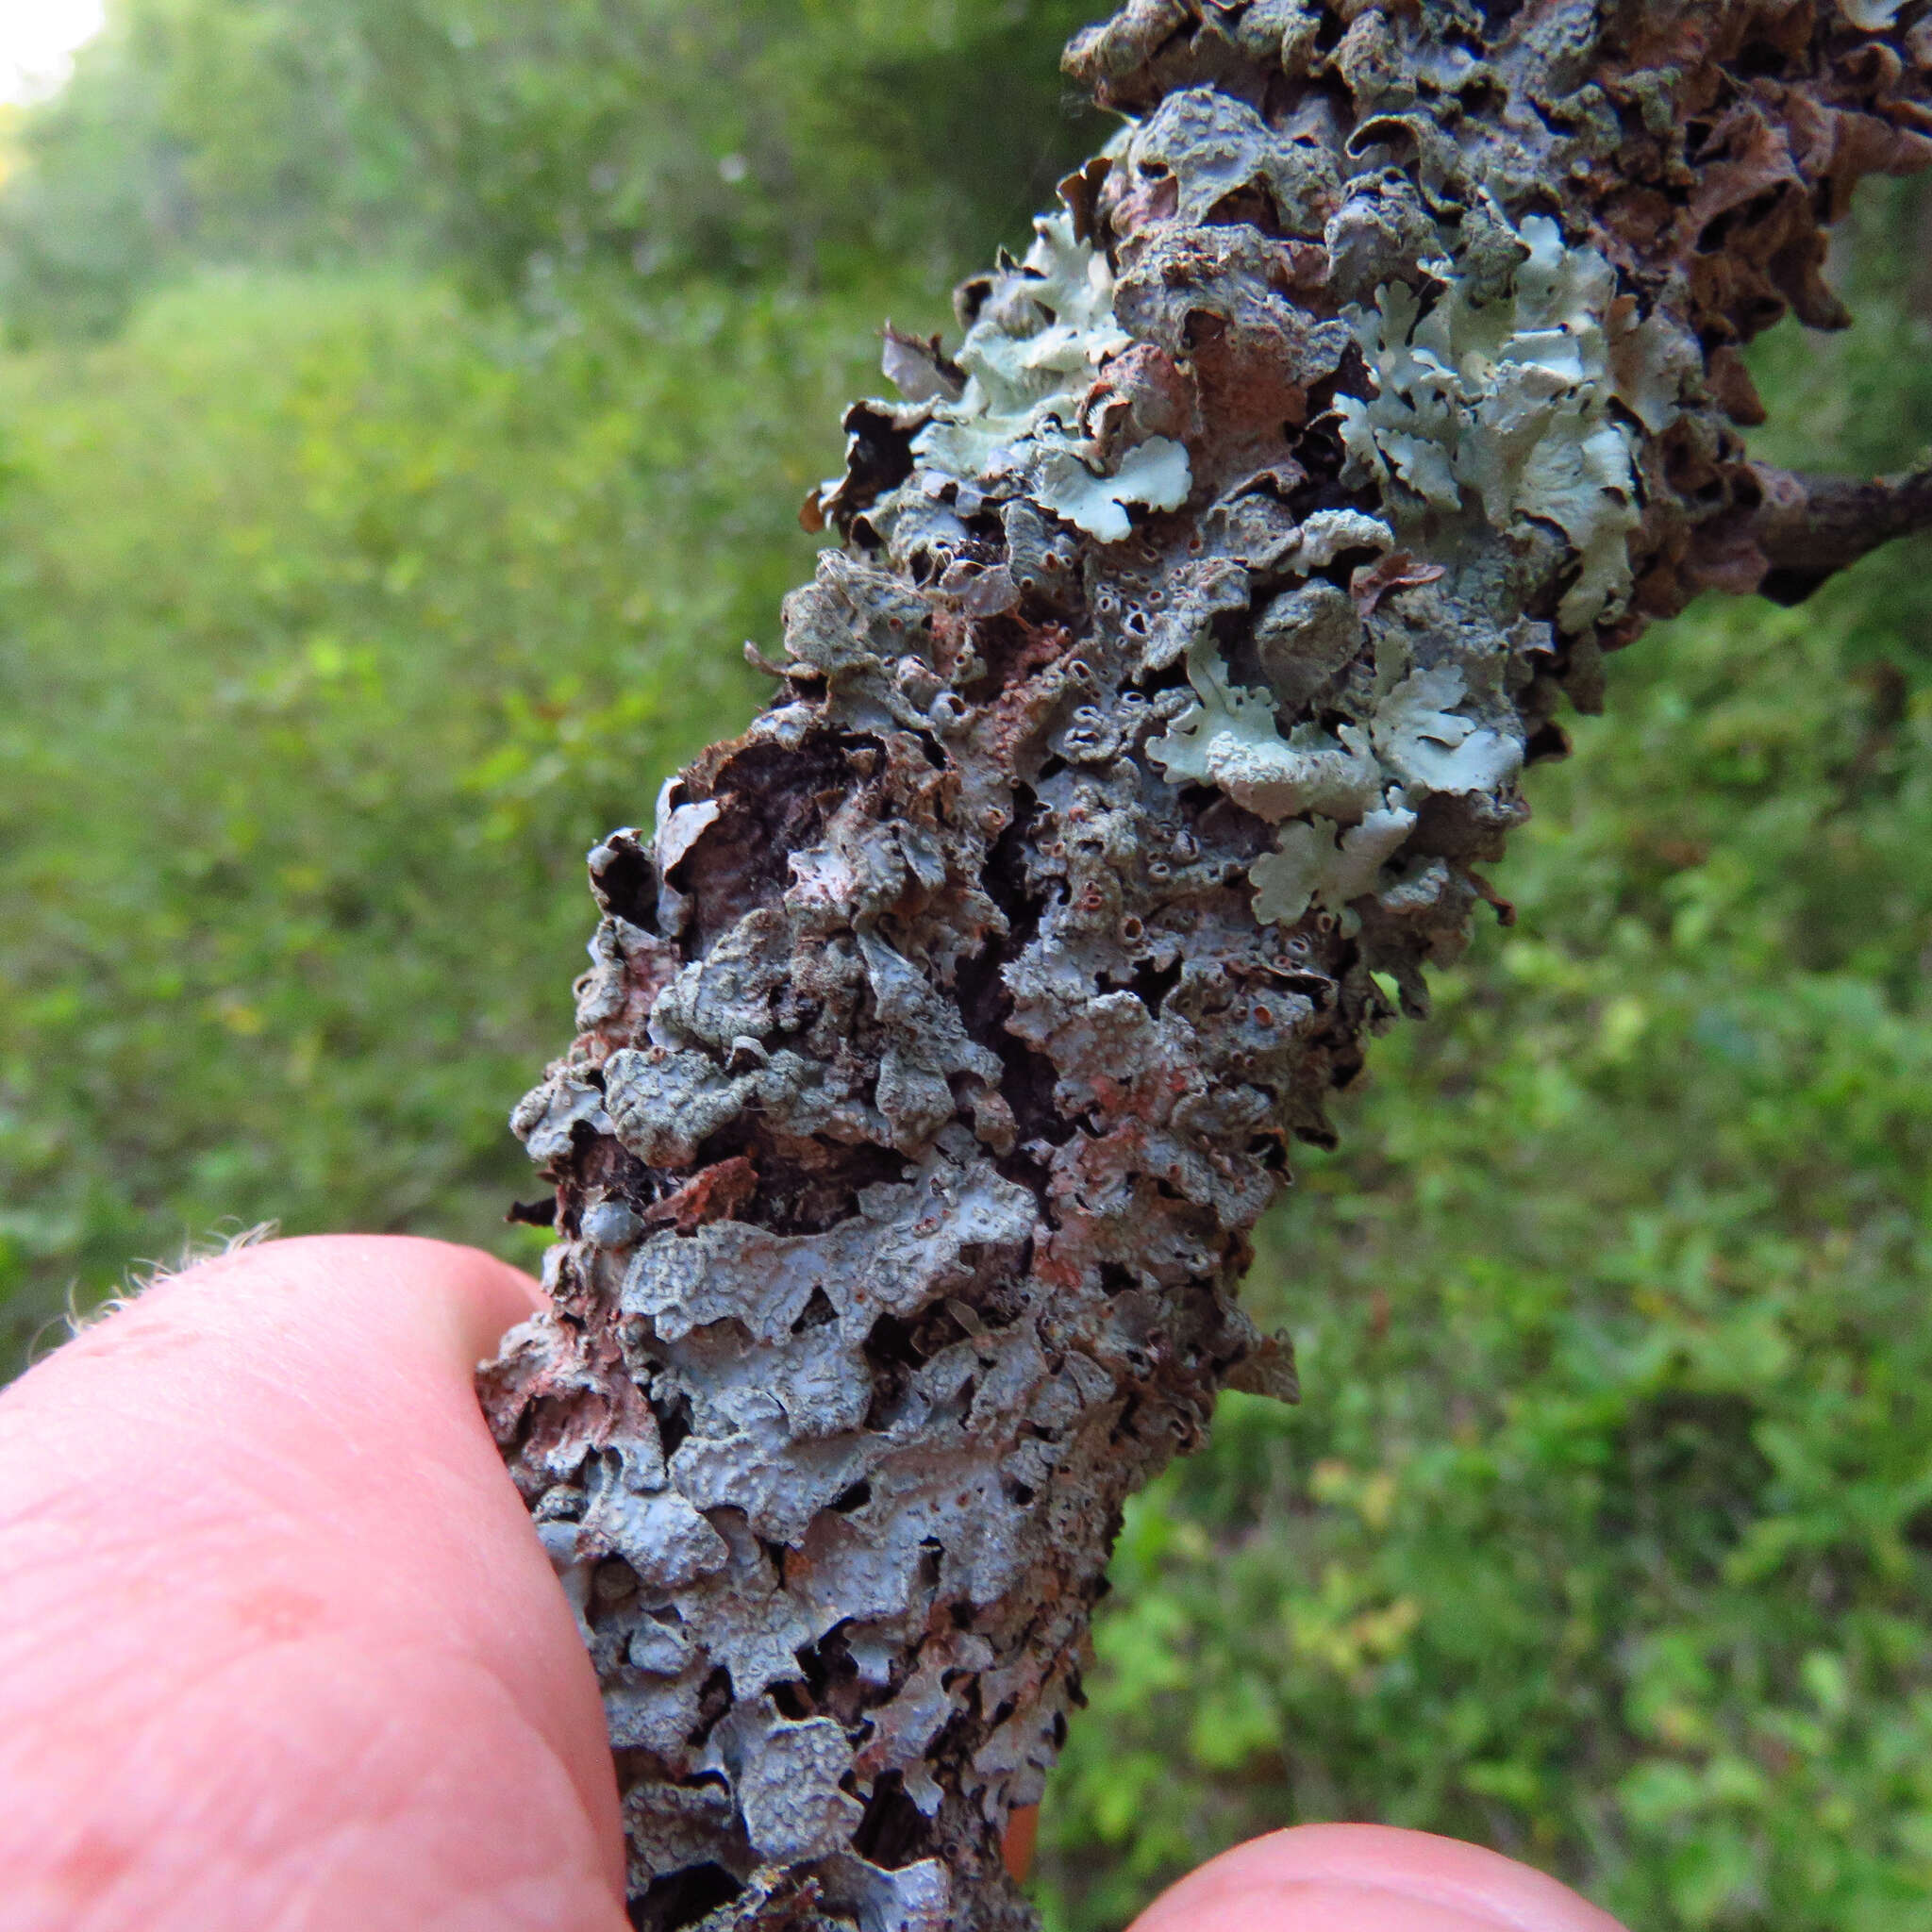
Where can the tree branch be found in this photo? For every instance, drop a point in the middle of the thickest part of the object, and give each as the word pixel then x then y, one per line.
pixel 947 1036
pixel 1811 528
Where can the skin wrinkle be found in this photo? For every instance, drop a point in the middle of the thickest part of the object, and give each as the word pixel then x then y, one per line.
pixel 223 1812
pixel 314 1886
pixel 220 1603
pixel 335 1849
pixel 214 1527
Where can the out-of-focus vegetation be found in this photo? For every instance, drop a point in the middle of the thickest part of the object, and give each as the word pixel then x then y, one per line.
pixel 335 624
pixel 515 146
pixel 366 553
pixel 405 425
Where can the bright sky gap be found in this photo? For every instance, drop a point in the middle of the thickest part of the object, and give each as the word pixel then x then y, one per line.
pixel 37 43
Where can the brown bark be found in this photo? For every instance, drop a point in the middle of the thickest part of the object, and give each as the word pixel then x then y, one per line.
pixel 1810 528
pixel 1135 753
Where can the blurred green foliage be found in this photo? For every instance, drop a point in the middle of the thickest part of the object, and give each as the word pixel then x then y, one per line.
pixel 336 624
pixel 514 144
pixel 403 540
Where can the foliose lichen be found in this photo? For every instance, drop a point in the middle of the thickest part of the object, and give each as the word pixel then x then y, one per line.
pixel 1185 638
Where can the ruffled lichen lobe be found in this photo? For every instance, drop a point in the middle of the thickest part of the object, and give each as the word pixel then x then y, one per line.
pixel 1188 634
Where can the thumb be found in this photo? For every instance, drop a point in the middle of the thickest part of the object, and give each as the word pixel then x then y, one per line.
pixel 1368 1878
pixel 279 1645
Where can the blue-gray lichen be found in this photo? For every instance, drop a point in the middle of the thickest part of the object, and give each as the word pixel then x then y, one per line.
pixel 946 1034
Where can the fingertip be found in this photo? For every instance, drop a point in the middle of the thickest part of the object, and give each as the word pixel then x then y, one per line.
pixel 1368 1878
pixel 275 1450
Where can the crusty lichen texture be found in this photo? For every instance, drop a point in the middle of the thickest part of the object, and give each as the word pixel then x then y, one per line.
pixel 1189 630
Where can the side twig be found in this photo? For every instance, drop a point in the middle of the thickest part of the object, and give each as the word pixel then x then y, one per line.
pixel 1811 528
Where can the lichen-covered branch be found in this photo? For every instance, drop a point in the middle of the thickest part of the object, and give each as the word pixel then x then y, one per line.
pixel 1808 528
pixel 1134 753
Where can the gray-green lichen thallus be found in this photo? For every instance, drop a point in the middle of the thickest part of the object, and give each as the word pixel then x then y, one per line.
pixel 1190 627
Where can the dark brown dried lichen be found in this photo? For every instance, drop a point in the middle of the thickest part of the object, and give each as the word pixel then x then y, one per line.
pixel 945 1037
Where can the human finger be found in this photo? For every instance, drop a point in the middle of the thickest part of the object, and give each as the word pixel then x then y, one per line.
pixel 277 1643
pixel 1368 1878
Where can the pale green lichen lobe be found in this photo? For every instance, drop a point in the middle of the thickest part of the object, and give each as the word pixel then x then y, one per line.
pixel 1030 363
pixel 1505 406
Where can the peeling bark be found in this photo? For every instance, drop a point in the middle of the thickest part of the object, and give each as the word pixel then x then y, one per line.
pixel 1134 755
